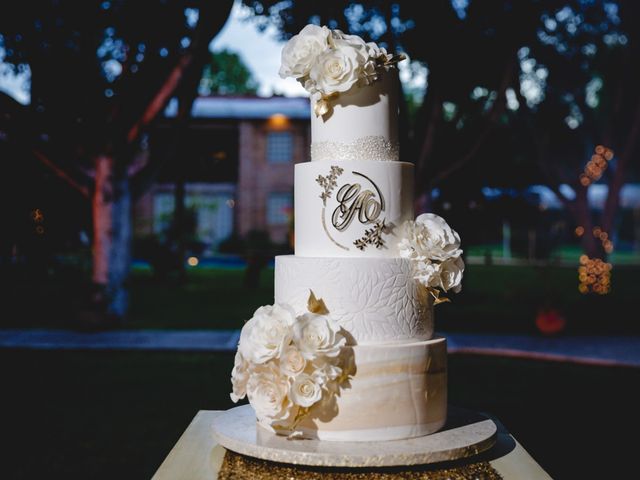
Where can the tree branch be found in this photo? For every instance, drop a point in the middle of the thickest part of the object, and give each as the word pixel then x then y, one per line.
pixel 203 37
pixel 161 98
pixel 13 111
pixel 84 191
pixel 613 195
pixel 497 109
pixel 551 180
pixel 429 139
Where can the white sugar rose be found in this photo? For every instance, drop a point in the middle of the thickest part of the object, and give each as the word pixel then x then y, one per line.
pixel 239 378
pixel 338 39
pixel 429 238
pixel 317 335
pixel 336 70
pixel 428 274
pixel 292 362
pixel 374 51
pixel 301 51
pixel 451 271
pixel 267 391
pixel 305 391
pixel 267 333
pixel 370 72
pixel 326 373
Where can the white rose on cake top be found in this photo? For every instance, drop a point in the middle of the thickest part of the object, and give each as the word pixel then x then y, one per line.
pixel 329 62
pixel 335 71
pixel 299 53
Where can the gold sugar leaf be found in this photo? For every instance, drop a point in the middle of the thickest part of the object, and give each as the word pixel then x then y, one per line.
pixel 316 305
pixel 321 107
pixel 437 298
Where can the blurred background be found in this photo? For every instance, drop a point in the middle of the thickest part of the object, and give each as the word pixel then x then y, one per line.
pixel 147 153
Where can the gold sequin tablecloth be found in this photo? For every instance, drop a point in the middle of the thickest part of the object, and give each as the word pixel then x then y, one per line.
pixel 197 457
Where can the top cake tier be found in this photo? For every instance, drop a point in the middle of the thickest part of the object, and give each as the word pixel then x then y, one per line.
pixel 354 94
pixel 361 125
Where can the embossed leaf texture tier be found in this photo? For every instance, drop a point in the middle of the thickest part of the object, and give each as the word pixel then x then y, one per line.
pixel 374 300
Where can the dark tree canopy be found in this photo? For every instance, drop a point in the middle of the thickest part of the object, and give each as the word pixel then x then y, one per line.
pixel 555 56
pixel 519 92
pixel 97 65
pixel 101 72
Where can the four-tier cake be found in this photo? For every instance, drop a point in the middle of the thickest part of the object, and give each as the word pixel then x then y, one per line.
pixel 347 352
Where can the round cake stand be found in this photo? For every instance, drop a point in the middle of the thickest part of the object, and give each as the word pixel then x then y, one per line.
pixel 465 434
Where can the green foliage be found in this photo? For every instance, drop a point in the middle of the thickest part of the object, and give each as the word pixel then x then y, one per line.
pixel 227 74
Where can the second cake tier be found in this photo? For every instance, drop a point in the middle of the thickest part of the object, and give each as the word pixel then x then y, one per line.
pixel 375 300
pixel 351 208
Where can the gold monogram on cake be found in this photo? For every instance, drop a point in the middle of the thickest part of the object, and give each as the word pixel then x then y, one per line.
pixel 355 202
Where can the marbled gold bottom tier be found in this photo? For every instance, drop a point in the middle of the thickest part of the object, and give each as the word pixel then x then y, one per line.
pixel 397 391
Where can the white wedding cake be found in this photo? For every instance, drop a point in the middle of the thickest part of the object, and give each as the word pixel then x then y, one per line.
pixel 347 351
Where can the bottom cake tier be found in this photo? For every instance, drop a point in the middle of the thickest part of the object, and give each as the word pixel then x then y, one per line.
pixel 397 391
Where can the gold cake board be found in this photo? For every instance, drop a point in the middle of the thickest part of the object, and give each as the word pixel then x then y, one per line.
pixel 466 434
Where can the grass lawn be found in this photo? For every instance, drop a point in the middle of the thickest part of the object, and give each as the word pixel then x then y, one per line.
pixel 564 253
pixel 494 298
pixel 105 415
pixel 211 298
pixel 498 298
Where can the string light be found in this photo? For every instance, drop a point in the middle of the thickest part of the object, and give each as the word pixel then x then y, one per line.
pixel 37 215
pixel 596 166
pixel 593 273
pixel 594 276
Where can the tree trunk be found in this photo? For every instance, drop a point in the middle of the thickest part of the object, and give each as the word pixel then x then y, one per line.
pixel 615 185
pixel 111 240
pixel 591 245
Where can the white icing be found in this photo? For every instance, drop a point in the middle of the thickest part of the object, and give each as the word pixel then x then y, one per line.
pixel 397 392
pixel 376 300
pixel 364 111
pixel 316 236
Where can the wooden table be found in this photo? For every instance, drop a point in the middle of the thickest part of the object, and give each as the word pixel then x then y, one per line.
pixel 196 456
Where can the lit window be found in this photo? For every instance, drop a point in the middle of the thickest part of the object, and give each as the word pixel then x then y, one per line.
pixel 279 147
pixel 279 207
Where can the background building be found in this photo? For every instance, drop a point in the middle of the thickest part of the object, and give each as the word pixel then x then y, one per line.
pixel 235 160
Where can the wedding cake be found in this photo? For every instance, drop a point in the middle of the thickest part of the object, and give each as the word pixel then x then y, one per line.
pixel 347 352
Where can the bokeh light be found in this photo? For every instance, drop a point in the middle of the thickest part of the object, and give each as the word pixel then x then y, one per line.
pixel 193 261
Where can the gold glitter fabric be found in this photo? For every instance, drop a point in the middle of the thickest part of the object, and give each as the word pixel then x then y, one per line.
pixel 240 467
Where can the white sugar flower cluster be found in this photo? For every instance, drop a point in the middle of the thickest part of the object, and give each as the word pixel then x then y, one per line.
pixel 435 250
pixel 286 363
pixel 328 61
